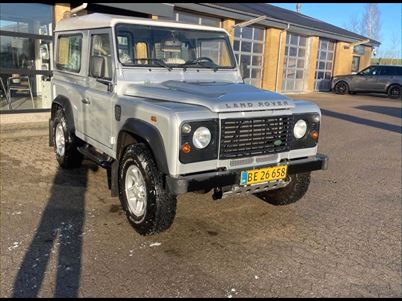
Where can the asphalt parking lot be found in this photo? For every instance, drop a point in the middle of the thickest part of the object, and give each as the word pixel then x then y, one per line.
pixel 63 235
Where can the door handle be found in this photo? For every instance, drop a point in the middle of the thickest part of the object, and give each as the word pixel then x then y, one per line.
pixel 86 101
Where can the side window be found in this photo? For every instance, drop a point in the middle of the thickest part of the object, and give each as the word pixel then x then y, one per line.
pixel 394 71
pixel 370 71
pixel 100 48
pixel 375 71
pixel 69 53
pixel 386 70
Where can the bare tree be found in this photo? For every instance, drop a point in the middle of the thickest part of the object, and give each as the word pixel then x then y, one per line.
pixel 371 21
pixel 353 25
pixel 396 46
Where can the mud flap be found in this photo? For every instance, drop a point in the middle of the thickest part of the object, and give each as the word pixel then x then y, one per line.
pixel 51 132
pixel 112 175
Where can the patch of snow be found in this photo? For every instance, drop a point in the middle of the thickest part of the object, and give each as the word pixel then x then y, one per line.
pixel 155 244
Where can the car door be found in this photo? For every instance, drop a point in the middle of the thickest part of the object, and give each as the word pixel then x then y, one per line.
pixel 383 78
pixel 365 80
pixel 99 93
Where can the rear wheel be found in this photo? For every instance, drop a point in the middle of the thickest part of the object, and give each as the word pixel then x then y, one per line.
pixel 341 88
pixel 149 208
pixel 65 143
pixel 293 192
pixel 394 92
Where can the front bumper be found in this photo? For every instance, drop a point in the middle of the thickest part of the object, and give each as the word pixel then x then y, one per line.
pixel 210 180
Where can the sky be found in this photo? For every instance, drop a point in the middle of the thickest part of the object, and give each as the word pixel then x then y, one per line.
pixel 340 14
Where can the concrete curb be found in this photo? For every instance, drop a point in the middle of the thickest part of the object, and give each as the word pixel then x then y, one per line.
pixel 24 118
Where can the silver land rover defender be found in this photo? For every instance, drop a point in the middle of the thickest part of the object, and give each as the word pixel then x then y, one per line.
pixel 163 107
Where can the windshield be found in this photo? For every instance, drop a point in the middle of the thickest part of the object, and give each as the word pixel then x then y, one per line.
pixel 140 45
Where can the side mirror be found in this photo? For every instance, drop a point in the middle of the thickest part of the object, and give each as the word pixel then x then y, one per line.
pixel 97 68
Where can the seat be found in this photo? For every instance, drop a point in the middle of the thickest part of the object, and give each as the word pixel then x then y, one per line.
pixel 19 82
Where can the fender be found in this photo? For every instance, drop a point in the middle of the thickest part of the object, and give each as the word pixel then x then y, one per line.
pixel 65 103
pixel 147 132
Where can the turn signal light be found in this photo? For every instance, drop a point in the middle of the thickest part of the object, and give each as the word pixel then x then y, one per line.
pixel 314 135
pixel 186 148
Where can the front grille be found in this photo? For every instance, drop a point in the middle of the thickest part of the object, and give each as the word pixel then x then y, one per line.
pixel 255 136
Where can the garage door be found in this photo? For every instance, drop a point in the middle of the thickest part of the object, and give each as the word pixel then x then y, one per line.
pixel 294 64
pixel 324 67
pixel 249 49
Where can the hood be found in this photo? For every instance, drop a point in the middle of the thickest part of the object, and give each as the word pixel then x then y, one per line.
pixel 216 96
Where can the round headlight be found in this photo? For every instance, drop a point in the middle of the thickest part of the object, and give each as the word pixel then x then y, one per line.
pixel 201 137
pixel 300 129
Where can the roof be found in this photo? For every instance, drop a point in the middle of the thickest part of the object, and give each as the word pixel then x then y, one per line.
pixel 279 17
pixel 98 20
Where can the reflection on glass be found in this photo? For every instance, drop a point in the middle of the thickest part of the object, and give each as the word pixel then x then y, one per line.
pixel 26 18
pixel 25 57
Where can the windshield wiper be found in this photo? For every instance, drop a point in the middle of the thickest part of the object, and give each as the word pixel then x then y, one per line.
pixel 158 61
pixel 203 61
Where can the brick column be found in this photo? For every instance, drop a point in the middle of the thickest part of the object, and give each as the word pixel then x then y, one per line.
pixel 343 59
pixel 272 54
pixel 59 10
pixel 228 24
pixel 312 62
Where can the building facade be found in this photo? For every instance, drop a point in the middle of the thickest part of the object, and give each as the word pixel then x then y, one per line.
pixel 285 52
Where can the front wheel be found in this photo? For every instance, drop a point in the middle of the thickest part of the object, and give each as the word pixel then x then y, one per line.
pixel 149 208
pixel 293 192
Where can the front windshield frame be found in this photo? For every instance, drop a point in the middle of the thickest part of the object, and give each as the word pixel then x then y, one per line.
pixel 224 37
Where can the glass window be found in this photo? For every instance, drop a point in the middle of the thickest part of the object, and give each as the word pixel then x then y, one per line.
pixel 372 70
pixel 295 54
pixel 188 18
pixel 100 47
pixel 257 47
pixel 246 46
pixel 359 49
pixel 292 51
pixel 26 60
pixel 209 21
pixel 176 47
pixel 33 18
pixel 197 19
pixel 258 34
pixel 325 55
pixel 69 53
pixel 294 39
pixel 247 33
pixel 355 63
pixel 249 46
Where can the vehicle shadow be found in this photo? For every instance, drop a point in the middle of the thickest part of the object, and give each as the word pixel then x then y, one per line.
pixel 390 111
pixel 378 95
pixel 60 229
pixel 364 121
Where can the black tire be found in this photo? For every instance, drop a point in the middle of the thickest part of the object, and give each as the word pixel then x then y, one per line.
pixel 341 88
pixel 160 207
pixel 293 192
pixel 394 92
pixel 71 158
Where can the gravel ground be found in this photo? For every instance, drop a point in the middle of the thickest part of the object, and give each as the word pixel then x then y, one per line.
pixel 63 235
